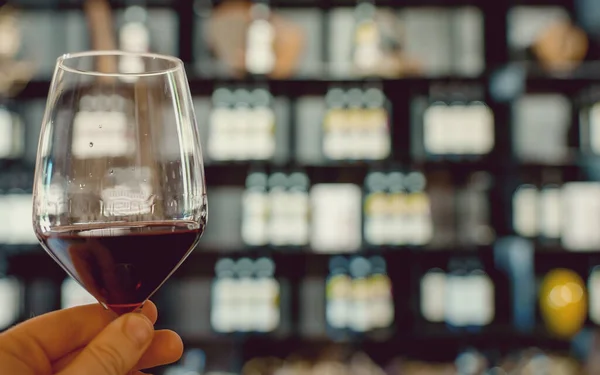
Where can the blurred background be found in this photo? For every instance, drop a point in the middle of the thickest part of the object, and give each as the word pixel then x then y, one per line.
pixel 363 220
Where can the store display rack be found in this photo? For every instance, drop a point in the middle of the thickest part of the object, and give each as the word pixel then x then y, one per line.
pixel 30 262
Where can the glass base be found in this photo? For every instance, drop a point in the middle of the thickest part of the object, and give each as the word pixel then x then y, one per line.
pixel 124 309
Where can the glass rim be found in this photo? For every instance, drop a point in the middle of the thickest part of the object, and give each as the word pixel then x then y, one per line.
pixel 60 63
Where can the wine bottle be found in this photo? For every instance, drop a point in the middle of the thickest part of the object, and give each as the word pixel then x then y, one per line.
pixel 223 308
pixel 278 205
pixel 435 129
pixel 526 211
pixel 260 40
pixel 551 211
pixel 367 52
pixel 481 129
pixel 268 291
pixel 360 313
pixel 220 125
pixel 355 124
pixel 395 225
pixel 433 292
pixel 255 210
pixel 419 210
pixel 134 36
pixel 298 221
pixel 338 296
pixel 376 137
pixel 335 125
pixel 376 209
pixel 244 307
pixel 261 135
pixel 241 127
pixel 381 300
pixel 594 295
pixel 12 134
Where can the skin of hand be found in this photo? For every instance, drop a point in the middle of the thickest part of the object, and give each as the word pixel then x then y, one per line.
pixel 88 340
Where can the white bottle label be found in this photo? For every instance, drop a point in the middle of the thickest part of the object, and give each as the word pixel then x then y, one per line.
pixel 460 136
pixel 482 293
pixel 219 124
pixel 433 294
pixel 595 128
pixel 260 56
pixel 594 295
pixel 550 218
pixel 10 300
pixel 223 305
pixel 458 297
pixel 20 207
pixel 581 218
pixel 6 133
pixel 525 211
pixel 255 220
pixel 336 225
pixel 434 131
pixel 5 230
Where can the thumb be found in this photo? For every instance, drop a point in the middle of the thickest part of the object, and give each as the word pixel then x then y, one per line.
pixel 116 350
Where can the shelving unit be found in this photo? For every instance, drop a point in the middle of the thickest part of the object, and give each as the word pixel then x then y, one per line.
pixel 404 263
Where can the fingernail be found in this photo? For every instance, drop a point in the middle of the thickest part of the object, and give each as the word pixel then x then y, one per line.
pixel 138 329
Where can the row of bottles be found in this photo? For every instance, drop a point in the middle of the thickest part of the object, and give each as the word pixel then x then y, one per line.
pixel 358 295
pixel 567 212
pixel 397 210
pixel 458 128
pixel 461 297
pixel 241 125
pixel 134 37
pixel 260 57
pixel 358 298
pixel 396 207
pixel 245 296
pixel 276 209
pixel 284 210
pixel 356 125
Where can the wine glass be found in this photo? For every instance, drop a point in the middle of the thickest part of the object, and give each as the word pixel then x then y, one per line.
pixel 119 191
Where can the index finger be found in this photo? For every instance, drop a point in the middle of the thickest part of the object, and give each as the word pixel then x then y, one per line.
pixel 61 332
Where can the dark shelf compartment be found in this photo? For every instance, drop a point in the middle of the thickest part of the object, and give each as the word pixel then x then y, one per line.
pixel 292 87
pixel 32 261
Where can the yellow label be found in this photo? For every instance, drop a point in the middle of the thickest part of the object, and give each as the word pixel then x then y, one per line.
pixel 367 33
pixel 339 286
pixel 377 204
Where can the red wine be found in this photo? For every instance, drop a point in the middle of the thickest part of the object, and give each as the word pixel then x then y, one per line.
pixel 122 265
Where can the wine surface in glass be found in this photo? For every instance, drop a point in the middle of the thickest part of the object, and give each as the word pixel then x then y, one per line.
pixel 122 264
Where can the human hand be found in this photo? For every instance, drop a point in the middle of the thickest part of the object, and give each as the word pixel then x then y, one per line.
pixel 87 340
